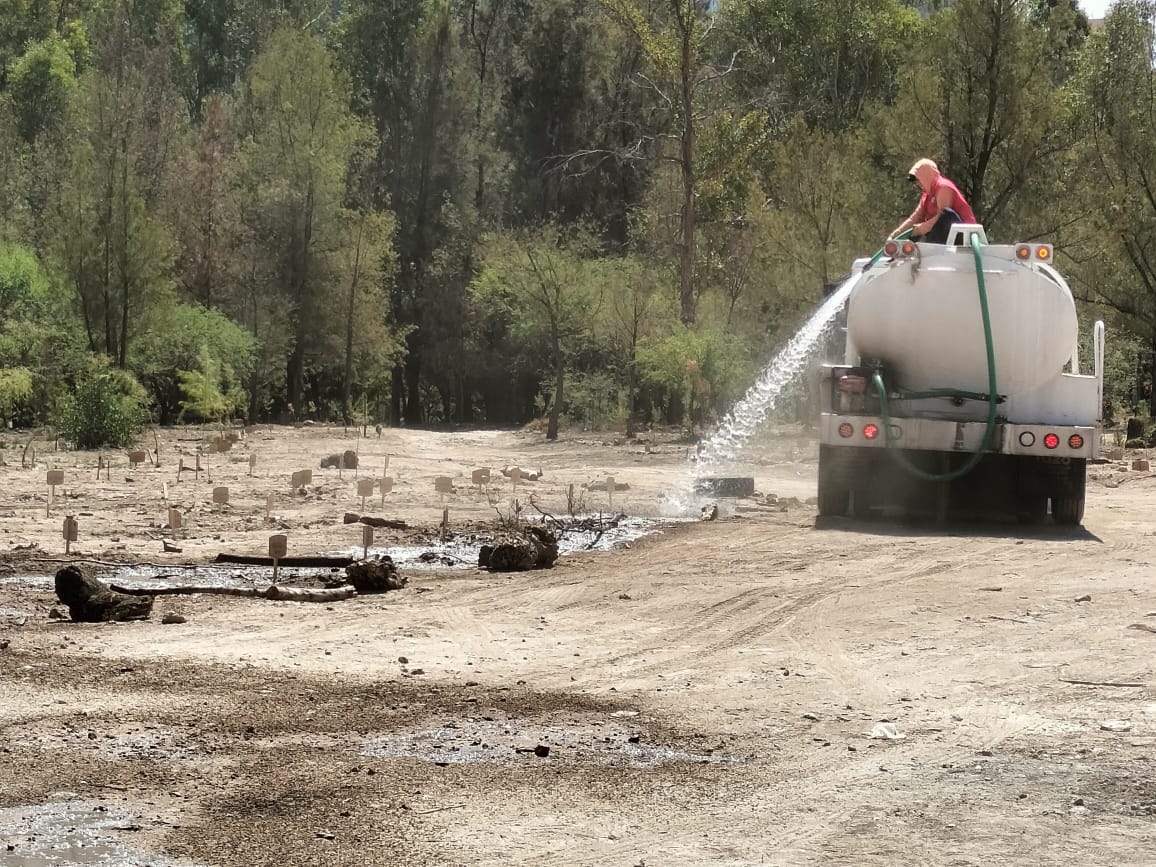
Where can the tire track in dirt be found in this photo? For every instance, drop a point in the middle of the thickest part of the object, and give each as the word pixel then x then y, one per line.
pixel 747 619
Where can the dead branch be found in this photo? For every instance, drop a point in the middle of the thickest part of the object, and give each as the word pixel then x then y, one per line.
pixel 371 521
pixel 274 592
pixel 1102 683
pixel 318 561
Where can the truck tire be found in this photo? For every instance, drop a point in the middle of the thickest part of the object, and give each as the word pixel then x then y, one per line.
pixel 1068 511
pixel 834 493
pixel 1068 505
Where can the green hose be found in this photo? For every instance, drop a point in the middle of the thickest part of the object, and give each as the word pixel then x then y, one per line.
pixel 992 394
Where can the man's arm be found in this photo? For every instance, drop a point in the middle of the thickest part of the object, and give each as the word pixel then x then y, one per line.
pixel 945 199
pixel 910 221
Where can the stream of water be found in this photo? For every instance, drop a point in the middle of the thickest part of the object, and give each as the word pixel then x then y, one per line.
pixel 723 446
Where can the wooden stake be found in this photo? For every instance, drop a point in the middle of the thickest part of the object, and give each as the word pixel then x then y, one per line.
pixel 366 540
pixel 278 547
pixel 270 502
pixel 53 478
pixel 70 533
pixel 610 490
pixel 252 464
pixel 445 523
pixel 364 489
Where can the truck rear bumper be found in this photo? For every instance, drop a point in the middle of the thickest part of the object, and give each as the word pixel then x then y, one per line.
pixel 926 434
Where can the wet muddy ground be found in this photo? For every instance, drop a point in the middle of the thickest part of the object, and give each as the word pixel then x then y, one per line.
pixel 762 689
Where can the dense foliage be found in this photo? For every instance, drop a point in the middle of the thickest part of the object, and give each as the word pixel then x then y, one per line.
pixel 487 211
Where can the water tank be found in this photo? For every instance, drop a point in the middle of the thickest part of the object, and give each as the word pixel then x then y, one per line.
pixel 924 322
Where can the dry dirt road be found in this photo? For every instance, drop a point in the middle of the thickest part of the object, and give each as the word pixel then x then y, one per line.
pixel 707 694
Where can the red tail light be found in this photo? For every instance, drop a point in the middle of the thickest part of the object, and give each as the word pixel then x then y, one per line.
pixel 870 431
pixel 845 430
pixel 890 248
pixel 908 248
pixel 1075 441
pixel 1051 441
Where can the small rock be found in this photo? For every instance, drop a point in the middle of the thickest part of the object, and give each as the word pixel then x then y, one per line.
pixel 172 618
pixel 1087 597
pixel 541 751
pixel 326 835
pixel 813 717
pixel 55 614
pixel 4 643
pixel 886 731
pixel 1079 802
pixel 403 659
pixel 1115 725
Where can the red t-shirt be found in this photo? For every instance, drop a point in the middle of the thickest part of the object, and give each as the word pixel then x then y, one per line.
pixel 929 207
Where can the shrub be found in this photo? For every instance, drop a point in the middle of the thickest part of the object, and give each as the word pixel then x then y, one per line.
pixel 106 409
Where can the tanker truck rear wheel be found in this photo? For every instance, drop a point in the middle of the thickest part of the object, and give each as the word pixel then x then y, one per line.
pixel 1068 503
pixel 834 492
pixel 1069 510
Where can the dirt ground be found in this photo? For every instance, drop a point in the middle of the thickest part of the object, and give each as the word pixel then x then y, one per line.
pixel 707 694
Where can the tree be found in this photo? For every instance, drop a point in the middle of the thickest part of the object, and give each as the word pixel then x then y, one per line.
pixel 550 277
pixel 680 74
pixel 116 254
pixel 300 139
pixel 1115 187
pixel 365 263
pixel 824 61
pixel 986 110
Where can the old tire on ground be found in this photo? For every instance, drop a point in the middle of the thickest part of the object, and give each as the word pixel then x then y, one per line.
pixel 1068 511
pixel 834 493
pixel 726 486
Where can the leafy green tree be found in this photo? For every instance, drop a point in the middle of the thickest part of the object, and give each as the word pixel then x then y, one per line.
pixel 404 63
pixel 551 279
pixel 300 140
pixel 38 341
pixel 41 85
pixel 681 74
pixel 187 338
pixel 986 109
pixel 1113 184
pixel 824 61
pixel 106 408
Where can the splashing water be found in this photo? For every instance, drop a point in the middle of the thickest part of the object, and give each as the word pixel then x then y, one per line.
pixel 724 445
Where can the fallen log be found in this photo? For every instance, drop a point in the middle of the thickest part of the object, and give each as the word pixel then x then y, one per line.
pixel 369 520
pixel 318 561
pixel 274 592
pixel 90 600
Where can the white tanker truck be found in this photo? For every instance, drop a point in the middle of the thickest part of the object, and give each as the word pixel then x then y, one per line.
pixel 961 387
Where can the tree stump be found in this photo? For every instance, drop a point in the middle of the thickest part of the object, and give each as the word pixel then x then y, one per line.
pixel 90 600
pixel 335 461
pixel 536 548
pixel 374 576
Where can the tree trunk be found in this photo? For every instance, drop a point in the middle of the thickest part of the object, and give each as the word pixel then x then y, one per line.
pixel 559 382
pixel 686 163
pixel 90 600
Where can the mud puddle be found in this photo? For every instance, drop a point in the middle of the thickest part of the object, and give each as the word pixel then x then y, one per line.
pixel 462 553
pixel 501 741
pixel 73 833
pixel 145 577
pixel 153 743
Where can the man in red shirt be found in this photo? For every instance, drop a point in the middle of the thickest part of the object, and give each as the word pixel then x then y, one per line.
pixel 940 207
